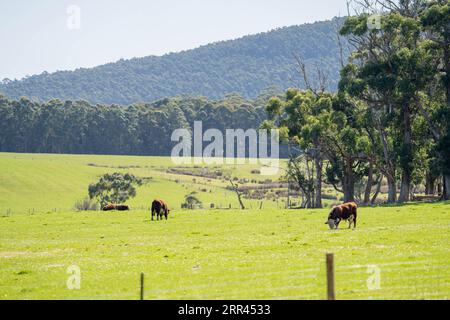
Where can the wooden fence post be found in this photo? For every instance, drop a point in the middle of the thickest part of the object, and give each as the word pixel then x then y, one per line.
pixel 330 277
pixel 142 286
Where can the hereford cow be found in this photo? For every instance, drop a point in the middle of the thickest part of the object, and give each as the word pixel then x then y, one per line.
pixel 119 207
pixel 109 207
pixel 346 211
pixel 160 208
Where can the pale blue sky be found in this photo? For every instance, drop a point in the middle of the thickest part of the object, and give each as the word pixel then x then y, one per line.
pixel 34 35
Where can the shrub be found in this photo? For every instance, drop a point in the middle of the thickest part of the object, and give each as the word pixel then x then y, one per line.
pixel 86 205
pixel 191 202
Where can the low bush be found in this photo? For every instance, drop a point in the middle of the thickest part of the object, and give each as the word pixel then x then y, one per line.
pixel 86 205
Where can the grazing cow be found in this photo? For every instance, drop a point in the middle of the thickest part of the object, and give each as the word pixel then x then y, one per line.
pixel 109 207
pixel 160 208
pixel 346 211
pixel 119 207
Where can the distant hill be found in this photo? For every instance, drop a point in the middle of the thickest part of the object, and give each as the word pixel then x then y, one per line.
pixel 245 66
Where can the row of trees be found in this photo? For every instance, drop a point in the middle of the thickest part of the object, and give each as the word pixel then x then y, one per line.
pixel 389 120
pixel 139 129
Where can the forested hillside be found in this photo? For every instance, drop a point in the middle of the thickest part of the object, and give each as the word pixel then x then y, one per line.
pixel 246 66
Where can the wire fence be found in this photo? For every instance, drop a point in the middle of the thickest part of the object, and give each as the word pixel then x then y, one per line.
pixel 392 280
pixel 418 279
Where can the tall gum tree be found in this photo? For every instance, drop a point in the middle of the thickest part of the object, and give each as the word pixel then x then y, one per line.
pixel 387 71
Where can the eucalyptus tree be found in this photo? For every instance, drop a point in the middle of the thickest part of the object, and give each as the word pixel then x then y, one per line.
pixel 388 70
pixel 435 103
pixel 345 143
pixel 295 118
pixel 328 128
pixel 114 188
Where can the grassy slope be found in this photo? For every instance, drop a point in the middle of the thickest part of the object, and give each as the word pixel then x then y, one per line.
pixel 46 182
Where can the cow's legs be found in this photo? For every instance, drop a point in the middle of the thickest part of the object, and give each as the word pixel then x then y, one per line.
pixel 337 223
pixel 354 224
pixel 350 221
pixel 153 213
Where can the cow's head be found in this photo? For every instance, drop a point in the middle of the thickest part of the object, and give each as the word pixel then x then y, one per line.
pixel 332 219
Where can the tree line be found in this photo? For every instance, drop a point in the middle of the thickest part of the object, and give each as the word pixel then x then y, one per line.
pixel 77 127
pixel 389 120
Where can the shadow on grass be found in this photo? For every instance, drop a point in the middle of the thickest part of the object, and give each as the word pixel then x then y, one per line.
pixel 406 204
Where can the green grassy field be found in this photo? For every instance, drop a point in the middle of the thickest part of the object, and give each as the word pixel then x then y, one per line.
pixel 204 254
pixel 42 182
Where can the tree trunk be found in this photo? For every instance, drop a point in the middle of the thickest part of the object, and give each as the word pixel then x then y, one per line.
pixel 389 170
pixel 430 184
pixel 392 190
pixel 288 202
pixel 369 183
pixel 377 192
pixel 406 157
pixel 236 189
pixel 439 189
pixel 447 69
pixel 405 188
pixel 446 175
pixel 308 201
pixel 446 189
pixel 319 165
pixel 240 202
pixel 348 183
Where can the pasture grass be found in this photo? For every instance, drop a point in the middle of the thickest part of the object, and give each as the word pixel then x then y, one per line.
pixel 205 254
pixel 226 254
pixel 49 182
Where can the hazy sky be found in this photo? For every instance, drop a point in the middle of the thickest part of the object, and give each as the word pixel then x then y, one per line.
pixel 50 35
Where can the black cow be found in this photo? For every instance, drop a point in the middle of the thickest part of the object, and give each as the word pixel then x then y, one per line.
pixel 160 209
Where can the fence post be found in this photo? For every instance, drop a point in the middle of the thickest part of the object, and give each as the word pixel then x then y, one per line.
pixel 330 277
pixel 142 286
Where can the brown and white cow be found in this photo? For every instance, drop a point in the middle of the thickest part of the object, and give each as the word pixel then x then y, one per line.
pixel 118 207
pixel 109 207
pixel 346 211
pixel 160 209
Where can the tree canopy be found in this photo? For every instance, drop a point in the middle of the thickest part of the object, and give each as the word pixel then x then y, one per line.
pixel 114 188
